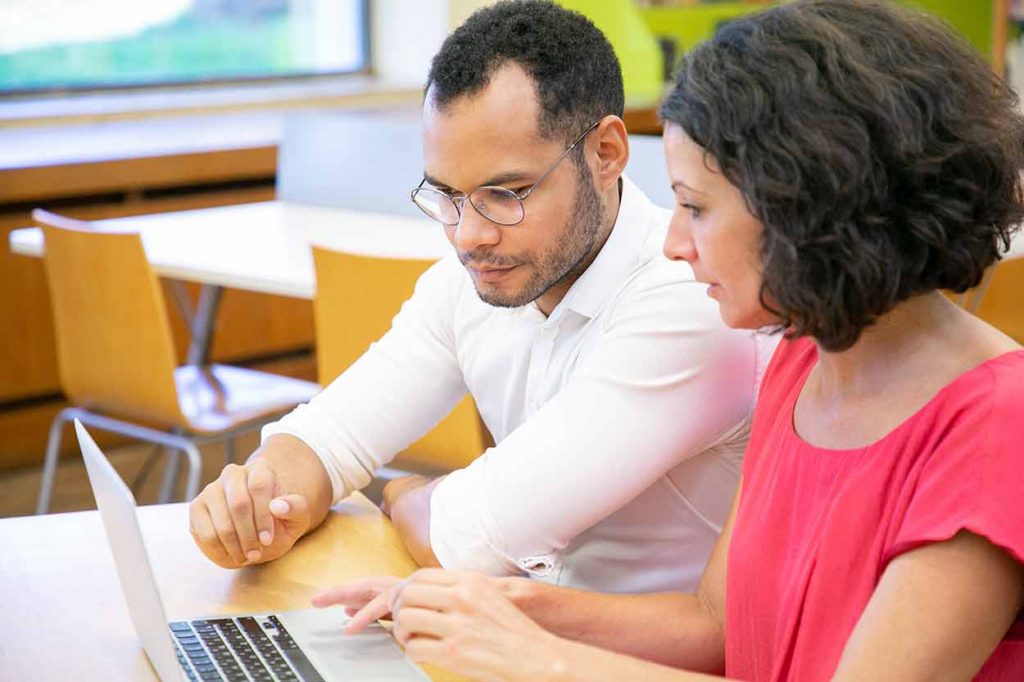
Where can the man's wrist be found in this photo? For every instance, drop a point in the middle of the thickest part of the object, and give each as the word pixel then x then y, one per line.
pixel 398 489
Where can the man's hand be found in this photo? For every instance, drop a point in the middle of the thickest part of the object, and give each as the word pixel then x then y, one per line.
pixel 398 487
pixel 407 502
pixel 244 517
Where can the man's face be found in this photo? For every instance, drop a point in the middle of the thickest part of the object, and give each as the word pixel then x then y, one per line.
pixel 491 138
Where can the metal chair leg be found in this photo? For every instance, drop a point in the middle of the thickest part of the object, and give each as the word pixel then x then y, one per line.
pixel 195 467
pixel 50 460
pixel 174 441
pixel 170 477
pixel 229 450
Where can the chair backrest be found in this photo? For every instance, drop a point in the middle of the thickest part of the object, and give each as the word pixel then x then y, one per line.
pixel 354 160
pixel 356 299
pixel 114 346
pixel 646 168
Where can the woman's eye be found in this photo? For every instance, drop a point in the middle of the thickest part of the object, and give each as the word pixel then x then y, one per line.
pixel 694 210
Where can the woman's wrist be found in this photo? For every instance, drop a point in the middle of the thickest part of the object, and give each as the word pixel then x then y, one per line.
pixel 527 595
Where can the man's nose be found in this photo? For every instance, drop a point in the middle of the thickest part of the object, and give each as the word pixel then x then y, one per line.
pixel 474 231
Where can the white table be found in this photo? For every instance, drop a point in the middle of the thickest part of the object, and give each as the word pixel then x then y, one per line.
pixel 65 617
pixel 263 247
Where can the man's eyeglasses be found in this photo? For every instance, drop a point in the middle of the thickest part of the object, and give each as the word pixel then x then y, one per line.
pixel 497 204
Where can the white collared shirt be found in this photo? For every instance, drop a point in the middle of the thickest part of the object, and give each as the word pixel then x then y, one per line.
pixel 619 420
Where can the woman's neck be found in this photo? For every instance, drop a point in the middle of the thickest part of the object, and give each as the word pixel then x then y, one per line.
pixel 854 397
pixel 915 336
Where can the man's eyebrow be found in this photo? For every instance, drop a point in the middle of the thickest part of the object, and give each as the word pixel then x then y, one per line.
pixel 508 177
pixel 500 180
pixel 434 182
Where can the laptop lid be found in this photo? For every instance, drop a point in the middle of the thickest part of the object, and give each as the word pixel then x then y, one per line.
pixel 117 509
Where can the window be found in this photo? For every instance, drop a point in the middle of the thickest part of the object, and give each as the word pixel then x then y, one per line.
pixel 50 45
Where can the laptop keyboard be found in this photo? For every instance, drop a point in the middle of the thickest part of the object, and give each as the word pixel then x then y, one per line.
pixel 257 649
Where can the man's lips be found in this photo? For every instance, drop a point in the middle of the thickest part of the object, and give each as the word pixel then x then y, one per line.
pixel 490 273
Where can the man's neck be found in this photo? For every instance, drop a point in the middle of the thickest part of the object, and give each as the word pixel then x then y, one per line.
pixel 550 299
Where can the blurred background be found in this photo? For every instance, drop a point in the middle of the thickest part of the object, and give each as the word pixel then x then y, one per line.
pixel 114 108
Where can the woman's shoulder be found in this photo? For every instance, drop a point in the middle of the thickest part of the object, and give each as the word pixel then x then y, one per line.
pixel 993 386
pixel 990 395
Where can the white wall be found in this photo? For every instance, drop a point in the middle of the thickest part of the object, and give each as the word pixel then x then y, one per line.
pixel 407 34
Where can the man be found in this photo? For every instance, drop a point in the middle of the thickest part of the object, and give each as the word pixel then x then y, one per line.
pixel 617 399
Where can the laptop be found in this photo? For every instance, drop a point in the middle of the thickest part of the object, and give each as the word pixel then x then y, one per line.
pixel 305 644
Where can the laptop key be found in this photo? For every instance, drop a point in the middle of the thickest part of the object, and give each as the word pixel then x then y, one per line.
pixel 180 627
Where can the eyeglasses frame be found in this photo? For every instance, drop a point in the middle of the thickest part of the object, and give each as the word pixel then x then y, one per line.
pixel 460 200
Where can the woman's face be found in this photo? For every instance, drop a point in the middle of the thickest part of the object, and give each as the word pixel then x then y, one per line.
pixel 714 232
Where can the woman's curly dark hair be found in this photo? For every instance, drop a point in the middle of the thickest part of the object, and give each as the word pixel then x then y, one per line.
pixel 879 151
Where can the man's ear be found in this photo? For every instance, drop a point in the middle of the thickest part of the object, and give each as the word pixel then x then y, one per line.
pixel 610 144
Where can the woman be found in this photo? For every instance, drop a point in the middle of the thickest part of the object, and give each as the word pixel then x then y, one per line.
pixel 836 164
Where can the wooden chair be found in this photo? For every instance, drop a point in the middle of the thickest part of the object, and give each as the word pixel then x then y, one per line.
pixel 356 299
pixel 117 361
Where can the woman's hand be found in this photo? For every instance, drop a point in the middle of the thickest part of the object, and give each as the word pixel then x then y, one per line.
pixel 464 622
pixel 366 600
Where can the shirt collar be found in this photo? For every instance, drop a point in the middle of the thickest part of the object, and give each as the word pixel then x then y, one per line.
pixel 619 256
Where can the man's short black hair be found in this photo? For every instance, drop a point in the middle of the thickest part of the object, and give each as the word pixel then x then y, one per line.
pixel 572 64
pixel 880 152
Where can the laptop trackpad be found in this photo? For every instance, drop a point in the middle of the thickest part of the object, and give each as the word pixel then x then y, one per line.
pixel 370 655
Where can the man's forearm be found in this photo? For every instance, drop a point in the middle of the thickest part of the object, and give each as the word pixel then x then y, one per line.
pixel 298 471
pixel 410 515
pixel 667 628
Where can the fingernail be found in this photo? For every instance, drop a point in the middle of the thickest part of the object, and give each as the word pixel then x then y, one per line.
pixel 265 537
pixel 252 554
pixel 278 507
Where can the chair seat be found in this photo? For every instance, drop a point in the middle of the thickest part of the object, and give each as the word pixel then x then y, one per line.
pixel 218 398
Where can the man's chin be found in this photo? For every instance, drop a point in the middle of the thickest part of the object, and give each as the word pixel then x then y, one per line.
pixel 502 299
pixel 505 293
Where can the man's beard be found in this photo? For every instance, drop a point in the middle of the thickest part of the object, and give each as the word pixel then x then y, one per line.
pixel 566 260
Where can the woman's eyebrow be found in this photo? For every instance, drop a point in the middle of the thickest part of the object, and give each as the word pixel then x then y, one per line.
pixel 679 184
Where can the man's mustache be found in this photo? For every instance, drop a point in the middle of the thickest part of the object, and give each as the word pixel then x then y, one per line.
pixel 487 260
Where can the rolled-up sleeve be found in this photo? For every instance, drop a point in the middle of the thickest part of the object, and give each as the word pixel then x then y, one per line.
pixel 665 382
pixel 397 391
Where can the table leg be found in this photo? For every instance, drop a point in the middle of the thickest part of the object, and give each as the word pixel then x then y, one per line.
pixel 181 301
pixel 203 323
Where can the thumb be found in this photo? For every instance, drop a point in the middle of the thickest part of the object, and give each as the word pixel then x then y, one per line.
pixel 290 509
